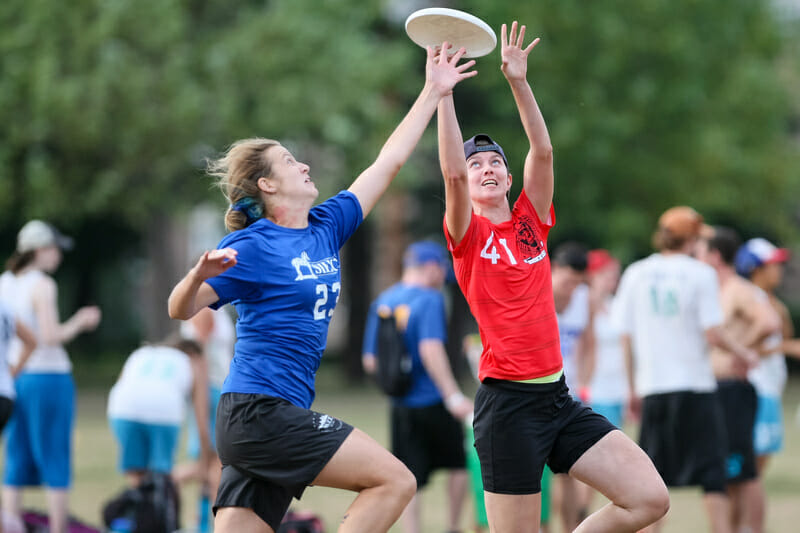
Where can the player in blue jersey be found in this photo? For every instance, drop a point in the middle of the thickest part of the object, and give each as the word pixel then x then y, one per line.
pixel 280 268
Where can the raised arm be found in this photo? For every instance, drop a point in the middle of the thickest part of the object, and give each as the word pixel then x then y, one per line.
pixel 192 293
pixel 441 75
pixel 538 172
pixel 458 207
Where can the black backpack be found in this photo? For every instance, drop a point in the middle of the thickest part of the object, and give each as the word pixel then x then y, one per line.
pixel 393 372
pixel 152 507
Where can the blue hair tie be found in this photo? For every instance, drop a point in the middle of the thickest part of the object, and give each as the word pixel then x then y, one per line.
pixel 250 207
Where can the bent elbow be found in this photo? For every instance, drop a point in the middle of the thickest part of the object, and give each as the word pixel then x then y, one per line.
pixel 544 152
pixel 453 178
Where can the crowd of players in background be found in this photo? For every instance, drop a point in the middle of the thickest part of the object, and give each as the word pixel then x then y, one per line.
pixel 698 379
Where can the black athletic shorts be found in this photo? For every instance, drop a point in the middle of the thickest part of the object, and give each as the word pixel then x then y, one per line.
pixel 739 401
pixel 521 426
pixel 6 408
pixel 427 438
pixel 684 434
pixel 271 451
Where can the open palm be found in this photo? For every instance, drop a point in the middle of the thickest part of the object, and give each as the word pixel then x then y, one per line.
pixel 443 71
pixel 515 58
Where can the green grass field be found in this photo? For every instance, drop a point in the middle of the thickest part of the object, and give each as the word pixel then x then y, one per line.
pixel 96 478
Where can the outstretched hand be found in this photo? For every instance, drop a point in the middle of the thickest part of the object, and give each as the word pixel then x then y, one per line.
pixel 214 263
pixel 515 58
pixel 442 71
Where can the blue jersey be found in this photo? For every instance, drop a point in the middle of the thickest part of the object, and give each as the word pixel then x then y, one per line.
pixel 285 286
pixel 426 321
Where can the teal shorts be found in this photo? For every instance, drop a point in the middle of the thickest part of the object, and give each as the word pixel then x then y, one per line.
pixel 768 430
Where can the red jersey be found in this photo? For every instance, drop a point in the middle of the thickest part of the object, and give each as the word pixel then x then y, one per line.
pixel 504 272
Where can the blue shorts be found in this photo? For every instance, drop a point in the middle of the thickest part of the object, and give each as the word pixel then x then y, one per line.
pixel 145 446
pixel 768 431
pixel 192 436
pixel 613 411
pixel 39 433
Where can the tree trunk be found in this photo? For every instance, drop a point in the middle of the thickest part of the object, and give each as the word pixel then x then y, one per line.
pixel 166 251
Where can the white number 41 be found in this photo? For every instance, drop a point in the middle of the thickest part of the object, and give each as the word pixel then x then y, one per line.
pixel 493 255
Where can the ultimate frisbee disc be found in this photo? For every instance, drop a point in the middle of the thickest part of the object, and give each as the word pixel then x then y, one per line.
pixel 434 25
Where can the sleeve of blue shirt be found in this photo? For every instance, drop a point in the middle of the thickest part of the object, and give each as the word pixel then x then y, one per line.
pixel 371 330
pixel 341 214
pixel 431 320
pixel 242 280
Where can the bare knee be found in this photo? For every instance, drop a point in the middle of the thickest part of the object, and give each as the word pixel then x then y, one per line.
pixel 652 500
pixel 402 483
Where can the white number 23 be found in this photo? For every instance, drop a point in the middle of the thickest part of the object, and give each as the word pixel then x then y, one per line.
pixel 320 312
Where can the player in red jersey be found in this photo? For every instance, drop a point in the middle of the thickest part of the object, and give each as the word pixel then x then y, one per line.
pixel 524 414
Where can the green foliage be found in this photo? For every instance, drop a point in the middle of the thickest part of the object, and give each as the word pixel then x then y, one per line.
pixel 110 106
pixel 649 105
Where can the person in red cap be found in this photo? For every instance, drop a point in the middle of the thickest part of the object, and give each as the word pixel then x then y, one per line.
pixel 762 263
pixel 524 413
pixel 668 310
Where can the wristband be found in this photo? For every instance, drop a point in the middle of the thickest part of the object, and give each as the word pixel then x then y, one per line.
pixel 454 399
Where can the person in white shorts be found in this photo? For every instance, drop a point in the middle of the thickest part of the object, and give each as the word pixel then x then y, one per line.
pixel 669 312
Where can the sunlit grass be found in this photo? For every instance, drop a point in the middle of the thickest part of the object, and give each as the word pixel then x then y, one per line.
pixel 96 478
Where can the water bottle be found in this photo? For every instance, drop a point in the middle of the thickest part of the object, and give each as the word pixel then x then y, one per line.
pixel 122 525
pixel 203 522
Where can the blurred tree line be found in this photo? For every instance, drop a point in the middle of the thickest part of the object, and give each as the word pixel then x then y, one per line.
pixel 108 109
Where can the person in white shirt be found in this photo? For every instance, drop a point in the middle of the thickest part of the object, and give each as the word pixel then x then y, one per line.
pixel 668 310
pixel 573 312
pixel 608 387
pixel 763 263
pixel 39 434
pixel 146 406
pixel 11 329
pixel 215 331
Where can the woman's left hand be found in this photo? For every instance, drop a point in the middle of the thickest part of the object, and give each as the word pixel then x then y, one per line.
pixel 442 71
pixel 515 58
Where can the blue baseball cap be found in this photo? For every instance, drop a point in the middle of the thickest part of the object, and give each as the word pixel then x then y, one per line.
pixel 422 252
pixel 758 252
pixel 483 143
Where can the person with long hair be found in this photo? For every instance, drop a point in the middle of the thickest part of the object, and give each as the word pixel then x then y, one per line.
pixel 39 443
pixel 280 268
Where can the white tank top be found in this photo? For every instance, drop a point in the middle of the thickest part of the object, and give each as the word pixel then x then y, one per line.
pixel 153 387
pixel 769 376
pixel 7 328
pixel 609 381
pixel 17 293
pixel 219 349
pixel 571 323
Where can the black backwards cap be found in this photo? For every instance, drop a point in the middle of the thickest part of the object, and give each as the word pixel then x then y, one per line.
pixel 483 143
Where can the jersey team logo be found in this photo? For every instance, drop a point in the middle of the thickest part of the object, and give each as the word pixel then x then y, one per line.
pixel 307 269
pixel 528 241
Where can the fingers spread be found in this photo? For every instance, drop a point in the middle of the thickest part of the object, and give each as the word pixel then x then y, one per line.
pixel 521 38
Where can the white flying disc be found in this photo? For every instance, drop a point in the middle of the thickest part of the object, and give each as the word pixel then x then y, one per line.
pixel 434 25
